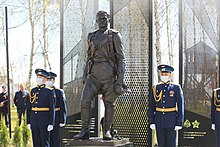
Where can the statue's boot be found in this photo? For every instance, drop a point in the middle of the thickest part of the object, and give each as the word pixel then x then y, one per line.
pixel 86 113
pixel 109 115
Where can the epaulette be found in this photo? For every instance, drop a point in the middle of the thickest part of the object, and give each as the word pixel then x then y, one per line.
pixel 56 88
pixel 173 83
pixel 50 88
pixel 216 89
pixel 33 88
pixel 158 83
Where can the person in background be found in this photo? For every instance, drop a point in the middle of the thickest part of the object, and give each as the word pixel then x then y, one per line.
pixel 166 108
pixel 41 110
pixel 60 117
pixel 20 101
pixel 4 102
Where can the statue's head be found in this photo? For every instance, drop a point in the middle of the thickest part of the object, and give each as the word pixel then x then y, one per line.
pixel 102 19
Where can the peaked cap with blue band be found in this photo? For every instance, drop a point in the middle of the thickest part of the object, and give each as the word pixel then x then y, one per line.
pixel 166 68
pixel 51 75
pixel 41 72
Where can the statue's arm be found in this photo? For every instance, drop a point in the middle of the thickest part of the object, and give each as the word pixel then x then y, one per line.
pixel 120 57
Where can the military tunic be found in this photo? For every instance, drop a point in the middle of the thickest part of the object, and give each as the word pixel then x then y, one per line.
pixel 215 113
pixel 40 114
pixel 166 110
pixel 60 117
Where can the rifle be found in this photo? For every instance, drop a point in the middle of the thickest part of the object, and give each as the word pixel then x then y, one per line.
pixel 4 101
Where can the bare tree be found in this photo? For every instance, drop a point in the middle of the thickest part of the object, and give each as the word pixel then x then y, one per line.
pixel 31 20
pixel 169 40
pixel 157 32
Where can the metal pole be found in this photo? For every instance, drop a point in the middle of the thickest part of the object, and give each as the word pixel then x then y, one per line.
pixel 180 44
pixel 7 59
pixel 180 52
pixel 61 44
pixel 61 58
pixel 111 13
pixel 218 19
pixel 150 60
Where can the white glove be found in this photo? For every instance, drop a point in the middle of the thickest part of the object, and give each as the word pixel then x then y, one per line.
pixel 49 128
pixel 177 128
pixel 29 126
pixel 152 126
pixel 213 127
pixel 62 125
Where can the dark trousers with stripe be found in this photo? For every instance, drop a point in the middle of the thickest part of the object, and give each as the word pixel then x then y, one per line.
pixel 166 137
pixel 55 137
pixel 40 136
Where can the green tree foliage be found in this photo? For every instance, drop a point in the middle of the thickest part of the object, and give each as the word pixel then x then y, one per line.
pixel 4 134
pixel 26 132
pixel 17 138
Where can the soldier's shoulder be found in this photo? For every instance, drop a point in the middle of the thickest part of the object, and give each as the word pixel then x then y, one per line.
pixel 58 89
pixel 34 88
pixel 158 84
pixel 175 84
pixel 49 88
pixel 217 89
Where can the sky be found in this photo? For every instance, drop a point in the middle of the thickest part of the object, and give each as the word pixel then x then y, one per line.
pixel 19 40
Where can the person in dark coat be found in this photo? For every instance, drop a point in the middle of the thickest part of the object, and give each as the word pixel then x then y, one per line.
pixel 41 110
pixel 4 104
pixel 60 117
pixel 166 108
pixel 20 101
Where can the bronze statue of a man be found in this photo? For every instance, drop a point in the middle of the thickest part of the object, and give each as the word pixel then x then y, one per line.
pixel 103 74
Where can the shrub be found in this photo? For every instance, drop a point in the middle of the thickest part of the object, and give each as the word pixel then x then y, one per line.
pixel 17 138
pixel 4 134
pixel 25 132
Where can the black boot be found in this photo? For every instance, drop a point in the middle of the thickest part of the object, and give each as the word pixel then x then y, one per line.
pixel 83 134
pixel 108 119
pixel 107 135
pixel 86 113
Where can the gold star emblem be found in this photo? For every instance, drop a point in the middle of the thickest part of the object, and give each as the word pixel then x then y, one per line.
pixel 196 124
pixel 187 123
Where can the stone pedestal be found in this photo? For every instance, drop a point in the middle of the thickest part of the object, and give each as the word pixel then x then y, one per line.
pixel 98 142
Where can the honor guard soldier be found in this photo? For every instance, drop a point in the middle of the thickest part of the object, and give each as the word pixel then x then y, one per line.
pixel 215 114
pixel 4 104
pixel 166 108
pixel 41 110
pixel 20 101
pixel 60 117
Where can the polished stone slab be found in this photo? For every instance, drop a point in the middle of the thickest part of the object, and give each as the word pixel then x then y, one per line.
pixel 98 142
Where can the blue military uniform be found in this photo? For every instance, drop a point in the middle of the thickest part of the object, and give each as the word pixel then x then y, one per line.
pixel 166 110
pixel 41 112
pixel 20 101
pixel 60 117
pixel 215 113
